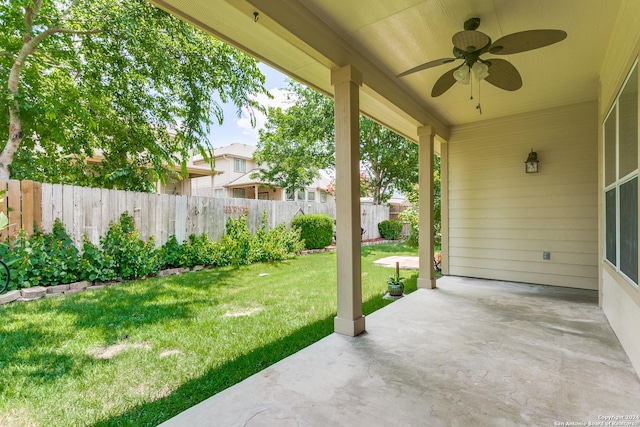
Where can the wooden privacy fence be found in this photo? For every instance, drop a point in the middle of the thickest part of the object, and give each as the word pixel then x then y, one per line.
pixel 89 211
pixel 22 205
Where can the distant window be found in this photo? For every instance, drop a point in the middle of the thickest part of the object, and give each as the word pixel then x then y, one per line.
pixel 240 165
pixel 300 195
pixel 323 197
pixel 311 196
pixel 218 192
pixel 289 194
pixel 238 193
pixel 621 180
pixel 263 196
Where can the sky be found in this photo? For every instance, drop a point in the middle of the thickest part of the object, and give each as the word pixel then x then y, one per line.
pixel 238 129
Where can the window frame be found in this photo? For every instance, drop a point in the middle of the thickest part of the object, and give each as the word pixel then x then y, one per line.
pixel 618 181
pixel 238 161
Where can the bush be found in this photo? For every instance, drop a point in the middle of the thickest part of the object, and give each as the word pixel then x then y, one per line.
pixel 94 263
pixel 389 229
pixel 132 257
pixel 276 244
pixel 236 243
pixel 170 255
pixel 316 230
pixel 197 250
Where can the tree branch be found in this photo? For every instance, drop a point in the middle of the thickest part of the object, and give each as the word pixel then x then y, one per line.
pixel 30 14
pixel 5 53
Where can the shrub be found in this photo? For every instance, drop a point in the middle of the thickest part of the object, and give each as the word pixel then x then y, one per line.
pixel 132 257
pixel 18 257
pixel 170 255
pixel 94 263
pixel 197 250
pixel 389 229
pixel 316 230
pixel 275 244
pixel 58 260
pixel 235 246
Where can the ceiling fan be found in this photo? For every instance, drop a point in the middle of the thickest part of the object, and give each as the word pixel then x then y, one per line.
pixel 470 44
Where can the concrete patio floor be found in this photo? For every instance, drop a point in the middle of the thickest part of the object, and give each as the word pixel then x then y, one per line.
pixel 470 353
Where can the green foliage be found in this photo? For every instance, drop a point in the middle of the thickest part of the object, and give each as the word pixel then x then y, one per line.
pixel 389 229
pixel 236 242
pixel 316 230
pixel 198 250
pixel 170 254
pixel 17 257
pixel 297 142
pixel 119 76
pixel 95 264
pixel 133 258
pixel 57 259
pixel 276 244
pixel 51 258
pixel 411 214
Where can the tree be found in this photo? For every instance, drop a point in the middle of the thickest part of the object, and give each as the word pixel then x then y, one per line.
pixel 119 76
pixel 411 214
pixel 389 161
pixel 298 142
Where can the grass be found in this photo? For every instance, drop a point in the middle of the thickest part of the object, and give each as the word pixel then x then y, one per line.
pixel 141 352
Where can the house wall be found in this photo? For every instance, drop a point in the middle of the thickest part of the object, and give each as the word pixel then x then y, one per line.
pixel 502 219
pixel 620 300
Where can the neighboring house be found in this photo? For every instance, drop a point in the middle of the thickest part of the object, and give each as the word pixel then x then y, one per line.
pixel 234 165
pixel 176 184
pixel 572 224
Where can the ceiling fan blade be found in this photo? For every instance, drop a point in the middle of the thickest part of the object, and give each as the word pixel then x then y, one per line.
pixel 443 83
pixel 503 75
pixel 429 64
pixel 526 40
pixel 470 41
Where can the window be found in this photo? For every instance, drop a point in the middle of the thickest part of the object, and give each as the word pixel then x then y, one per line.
pixel 263 196
pixel 300 195
pixel 218 192
pixel 323 197
pixel 289 194
pixel 238 193
pixel 621 180
pixel 240 165
pixel 311 196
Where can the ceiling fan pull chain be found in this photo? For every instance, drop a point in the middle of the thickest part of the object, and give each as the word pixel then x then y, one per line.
pixel 471 89
pixel 478 107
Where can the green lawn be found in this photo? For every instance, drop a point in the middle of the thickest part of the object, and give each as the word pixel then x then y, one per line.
pixel 140 352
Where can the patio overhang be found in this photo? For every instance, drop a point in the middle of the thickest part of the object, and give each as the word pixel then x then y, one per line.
pixel 354 54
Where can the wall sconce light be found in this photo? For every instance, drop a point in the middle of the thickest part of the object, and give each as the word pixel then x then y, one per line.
pixel 531 165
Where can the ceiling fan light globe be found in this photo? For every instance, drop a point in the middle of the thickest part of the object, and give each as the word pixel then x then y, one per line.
pixel 480 70
pixel 462 75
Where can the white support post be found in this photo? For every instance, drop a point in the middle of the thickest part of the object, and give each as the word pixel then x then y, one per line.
pixel 347 82
pixel 426 136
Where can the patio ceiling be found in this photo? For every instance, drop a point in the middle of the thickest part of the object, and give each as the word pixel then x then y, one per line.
pixel 305 39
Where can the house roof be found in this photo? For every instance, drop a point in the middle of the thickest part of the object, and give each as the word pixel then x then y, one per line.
pixel 246 180
pixel 236 150
pixel 307 39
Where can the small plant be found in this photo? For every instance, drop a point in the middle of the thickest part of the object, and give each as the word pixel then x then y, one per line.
pixel 396 279
pixel 390 229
